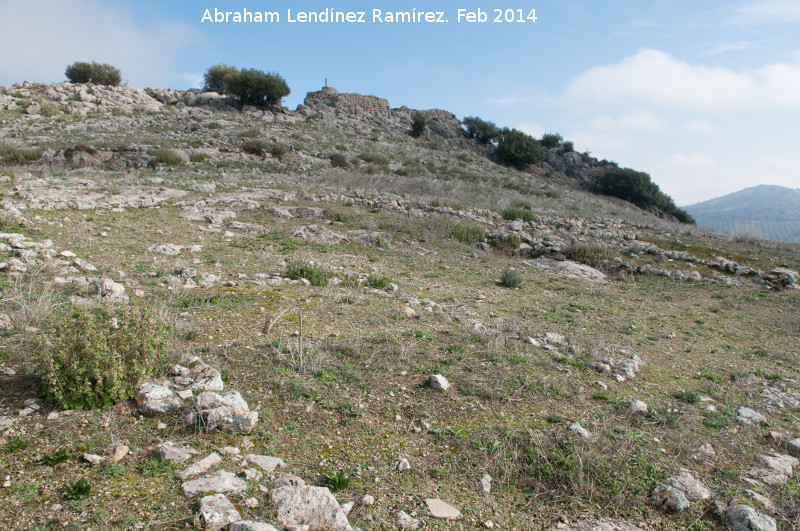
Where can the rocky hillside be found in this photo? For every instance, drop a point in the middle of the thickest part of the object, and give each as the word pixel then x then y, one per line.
pixel 330 324
pixel 766 211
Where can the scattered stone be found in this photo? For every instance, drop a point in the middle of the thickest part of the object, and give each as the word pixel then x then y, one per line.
pixel 366 500
pixel 707 450
pixel 84 266
pixel 693 489
pixel 119 453
pixel 167 249
pixel 745 518
pixel 637 407
pixel 579 430
pixel 777 398
pixel 405 521
pixel 252 474
pixel 315 507
pixel 200 467
pixel 289 480
pixel 218 512
pixel 408 311
pixel 265 463
pixel 749 417
pixel 319 234
pixel 251 526
pixel 670 498
pixel 439 383
pixel 768 504
pixel 347 507
pixel 440 509
pixel 227 412
pixel 486 483
pixel 568 268
pixel 155 399
pixel 93 459
pixel 403 465
pixel 793 447
pixel 219 482
pixel 5 423
pixel 169 451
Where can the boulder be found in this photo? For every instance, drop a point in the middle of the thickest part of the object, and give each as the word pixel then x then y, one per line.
pixel 693 489
pixel 265 463
pixel 169 451
pixel 227 412
pixel 670 498
pixel 218 512
pixel 315 507
pixel 155 399
pixel 219 483
pixel 744 518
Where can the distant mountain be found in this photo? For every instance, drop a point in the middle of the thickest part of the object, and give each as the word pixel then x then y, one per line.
pixel 765 211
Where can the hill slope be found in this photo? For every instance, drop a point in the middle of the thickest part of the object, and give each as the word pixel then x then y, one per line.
pixel 766 211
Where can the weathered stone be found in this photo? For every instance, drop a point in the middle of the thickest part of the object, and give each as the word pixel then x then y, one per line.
pixel 219 482
pixel 793 447
pixel 670 498
pixel 693 489
pixel 227 412
pixel 439 382
pixel 265 463
pixel 744 518
pixel 167 249
pixel 289 480
pixel 405 521
pixel 252 526
pixel 747 416
pixel 169 451
pixel 781 399
pixel 93 458
pixel 200 467
pixel 637 407
pixel 403 465
pixel 154 399
pixel 218 512
pixel 312 506
pixel 440 509
pixel 579 430
pixel 119 452
pixel 568 268
pixel 486 483
pixel 319 234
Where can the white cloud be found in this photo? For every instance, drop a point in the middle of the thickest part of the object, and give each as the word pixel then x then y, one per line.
pixel 653 77
pixel 59 33
pixel 631 122
pixel 535 130
pixel 725 47
pixel 765 11
pixel 701 127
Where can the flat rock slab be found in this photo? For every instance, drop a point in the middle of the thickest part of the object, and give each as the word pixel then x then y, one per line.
pixel 693 489
pixel 568 268
pixel 595 525
pixel 264 462
pixel 440 509
pixel 200 467
pixel 252 526
pixel 219 483
pixel 218 512
pixel 745 518
pixel 169 451
pixel 315 507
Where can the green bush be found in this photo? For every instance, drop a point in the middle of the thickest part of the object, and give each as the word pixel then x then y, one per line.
pixel 518 149
pixel 339 161
pixel 313 273
pixel 481 130
pixel 199 157
pixel 95 358
pixel 216 78
pixel 637 188
pixel 512 213
pixel 77 490
pixel 588 254
pixel 97 73
pixel 278 149
pixel 418 124
pixel 165 156
pixel 375 158
pixel 255 147
pixel 509 278
pixel 17 156
pixel 551 140
pixel 468 233
pixel 569 147
pixel 249 133
pixel 378 282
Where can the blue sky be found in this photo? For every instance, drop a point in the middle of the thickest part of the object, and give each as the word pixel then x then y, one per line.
pixel 704 96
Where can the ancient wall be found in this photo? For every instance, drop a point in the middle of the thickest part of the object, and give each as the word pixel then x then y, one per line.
pixel 348 102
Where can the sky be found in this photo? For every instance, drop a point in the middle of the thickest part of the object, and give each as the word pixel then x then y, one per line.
pixel 703 96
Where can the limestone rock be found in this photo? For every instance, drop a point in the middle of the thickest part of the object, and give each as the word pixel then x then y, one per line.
pixel 265 463
pixel 747 416
pixel 315 507
pixel 247 525
pixel 155 399
pixel 568 268
pixel 693 489
pixel 405 521
pixel 745 518
pixel 670 498
pixel 227 412
pixel 218 512
pixel 439 382
pixel 440 509
pixel 169 451
pixel 579 430
pixel 793 447
pixel 167 249
pixel 637 407
pixel 200 467
pixel 486 483
pixel 319 234
pixel 219 482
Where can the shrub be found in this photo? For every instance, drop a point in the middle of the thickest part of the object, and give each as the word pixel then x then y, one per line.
pixel 519 149
pixel 569 147
pixel 255 147
pixel 468 233
pixel 17 156
pixel 637 188
pixel 249 133
pixel 216 78
pixel 100 74
pixel 77 490
pixel 378 282
pixel 96 357
pixel 506 243
pixel 199 157
pixel 313 273
pixel 254 87
pixel 374 157
pixel 278 149
pixel 165 156
pixel 512 213
pixel 509 278
pixel 481 130
pixel 418 124
pixel 336 481
pixel 339 161
pixel 551 140
pixel 588 254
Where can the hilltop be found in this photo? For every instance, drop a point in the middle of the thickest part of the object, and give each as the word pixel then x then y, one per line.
pixel 766 211
pixel 324 299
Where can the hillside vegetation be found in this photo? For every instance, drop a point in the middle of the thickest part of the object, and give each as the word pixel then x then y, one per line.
pixel 318 296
